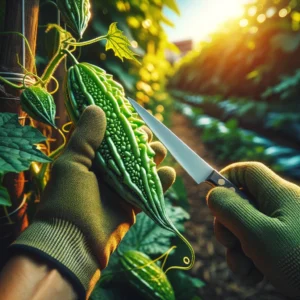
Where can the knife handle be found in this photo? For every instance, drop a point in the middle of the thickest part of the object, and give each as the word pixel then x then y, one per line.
pixel 218 180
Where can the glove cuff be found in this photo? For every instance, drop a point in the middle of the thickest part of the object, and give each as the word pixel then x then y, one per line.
pixel 63 245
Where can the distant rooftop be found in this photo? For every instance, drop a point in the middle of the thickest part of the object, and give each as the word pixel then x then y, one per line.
pixel 184 46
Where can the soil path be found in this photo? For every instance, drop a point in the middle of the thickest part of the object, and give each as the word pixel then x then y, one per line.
pixel 210 263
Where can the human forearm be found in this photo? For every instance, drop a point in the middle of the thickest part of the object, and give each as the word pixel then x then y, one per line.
pixel 24 277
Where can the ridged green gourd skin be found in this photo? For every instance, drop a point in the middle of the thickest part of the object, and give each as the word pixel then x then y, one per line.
pixel 146 277
pixel 124 157
pixel 76 14
pixel 39 104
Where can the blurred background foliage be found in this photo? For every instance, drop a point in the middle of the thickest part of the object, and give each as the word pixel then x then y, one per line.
pixel 248 73
pixel 248 56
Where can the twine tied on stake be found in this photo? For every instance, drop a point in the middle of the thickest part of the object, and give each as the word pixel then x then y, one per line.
pixel 19 77
pixel 24 79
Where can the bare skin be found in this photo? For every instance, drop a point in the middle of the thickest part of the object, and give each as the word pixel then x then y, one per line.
pixel 26 278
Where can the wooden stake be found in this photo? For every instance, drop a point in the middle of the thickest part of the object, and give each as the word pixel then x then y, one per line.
pixel 10 46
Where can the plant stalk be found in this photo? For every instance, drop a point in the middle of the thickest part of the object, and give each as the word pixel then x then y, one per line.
pixel 92 41
pixel 51 67
pixel 15 86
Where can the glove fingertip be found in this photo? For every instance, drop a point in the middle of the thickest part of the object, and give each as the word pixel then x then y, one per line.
pixel 91 125
pixel 95 115
pixel 167 176
pixel 160 152
pixel 148 132
pixel 215 198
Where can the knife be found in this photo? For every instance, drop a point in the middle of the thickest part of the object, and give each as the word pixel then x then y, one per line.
pixel 194 165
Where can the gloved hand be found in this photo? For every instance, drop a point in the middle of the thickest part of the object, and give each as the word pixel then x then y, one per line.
pixel 81 221
pixel 263 239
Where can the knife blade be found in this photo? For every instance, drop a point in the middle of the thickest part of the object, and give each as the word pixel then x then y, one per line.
pixel 194 165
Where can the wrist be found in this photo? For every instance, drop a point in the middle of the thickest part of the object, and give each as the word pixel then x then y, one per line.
pixel 64 246
pixel 26 277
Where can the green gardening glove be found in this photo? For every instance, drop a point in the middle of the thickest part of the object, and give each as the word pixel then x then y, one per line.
pixel 81 220
pixel 264 238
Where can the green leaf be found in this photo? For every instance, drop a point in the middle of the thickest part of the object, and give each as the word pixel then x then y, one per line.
pixel 4 196
pixel 287 42
pixel 146 236
pixel 119 43
pixel 172 5
pixel 180 281
pixel 167 21
pixel 177 193
pixel 172 47
pixel 17 149
pixel 232 124
pixel 100 293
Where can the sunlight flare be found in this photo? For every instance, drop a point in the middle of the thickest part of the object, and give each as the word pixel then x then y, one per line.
pixel 205 17
pixel 216 12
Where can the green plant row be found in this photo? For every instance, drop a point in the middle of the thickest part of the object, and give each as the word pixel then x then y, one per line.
pixel 288 89
pixel 231 143
pixel 266 118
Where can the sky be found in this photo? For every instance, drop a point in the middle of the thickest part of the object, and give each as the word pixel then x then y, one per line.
pixel 200 17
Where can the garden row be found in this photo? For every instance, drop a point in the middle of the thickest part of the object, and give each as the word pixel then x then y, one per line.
pixel 230 143
pixel 276 121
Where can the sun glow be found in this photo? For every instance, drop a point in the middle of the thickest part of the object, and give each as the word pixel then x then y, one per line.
pixel 215 12
pixel 204 17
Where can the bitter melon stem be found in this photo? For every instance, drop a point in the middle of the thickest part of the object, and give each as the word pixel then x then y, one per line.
pixel 19 87
pixel 75 61
pixel 51 67
pixel 92 41
pixel 186 260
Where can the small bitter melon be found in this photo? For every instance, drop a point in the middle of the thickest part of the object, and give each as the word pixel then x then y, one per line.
pixel 76 14
pixel 39 104
pixel 147 278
